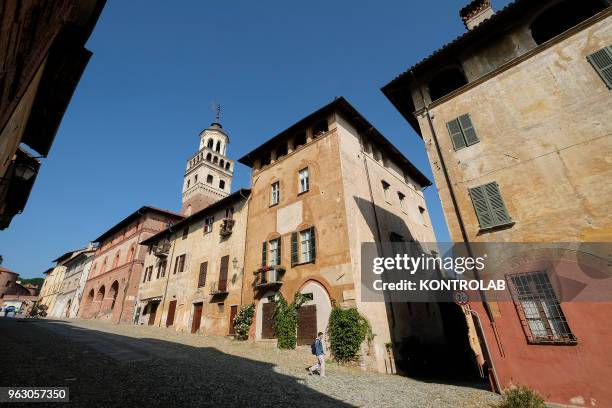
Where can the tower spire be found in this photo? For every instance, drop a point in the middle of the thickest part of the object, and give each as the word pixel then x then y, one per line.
pixel 217 109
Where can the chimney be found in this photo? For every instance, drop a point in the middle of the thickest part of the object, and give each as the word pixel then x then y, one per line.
pixel 475 13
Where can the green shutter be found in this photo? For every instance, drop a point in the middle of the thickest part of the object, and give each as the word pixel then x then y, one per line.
pixel 455 134
pixel 469 133
pixel 278 252
pixel 481 206
pixel 489 205
pixel 496 204
pixel 294 249
pixel 313 246
pixel 602 62
pixel 264 254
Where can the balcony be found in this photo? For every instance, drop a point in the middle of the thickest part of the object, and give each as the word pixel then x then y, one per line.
pixel 162 249
pixel 227 227
pixel 269 277
pixel 218 288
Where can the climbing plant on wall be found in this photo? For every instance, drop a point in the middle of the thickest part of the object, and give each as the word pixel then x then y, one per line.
pixel 243 321
pixel 347 329
pixel 286 319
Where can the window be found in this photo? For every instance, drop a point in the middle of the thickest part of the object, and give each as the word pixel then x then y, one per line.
pixel 209 144
pixel 421 215
pixel 202 275
pixel 209 179
pixel 208 224
pixel 275 252
pixel 462 132
pixel 299 140
pixel 221 184
pixel 161 269
pixel 308 296
pixel 489 206
pixel 188 183
pixel 229 212
pixel 275 193
pixel 446 82
pixel 179 264
pixel 538 308
pixel 385 187
pixel 149 273
pixel 303 246
pixel 320 128
pixel 185 233
pixel 402 200
pixel 195 178
pixel 602 63
pixel 304 180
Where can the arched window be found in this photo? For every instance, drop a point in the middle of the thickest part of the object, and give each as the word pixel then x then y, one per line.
pixel 218 148
pixel 209 179
pixel 227 166
pixel 116 260
pixel 188 183
pixel 90 296
pixel 445 82
pixel 222 184
pixel 209 144
pixel 209 157
pixel 563 16
pixel 222 163
pixel 216 160
pixel 130 254
pixel 103 268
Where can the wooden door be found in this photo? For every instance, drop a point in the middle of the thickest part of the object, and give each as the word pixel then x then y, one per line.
pixel 233 313
pixel 223 273
pixel 171 310
pixel 307 324
pixel 267 322
pixel 152 313
pixel 197 317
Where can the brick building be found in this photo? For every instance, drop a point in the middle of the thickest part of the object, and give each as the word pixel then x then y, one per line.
pixel 112 285
pixel 515 117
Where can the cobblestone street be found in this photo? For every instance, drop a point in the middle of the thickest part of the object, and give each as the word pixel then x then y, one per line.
pixel 107 365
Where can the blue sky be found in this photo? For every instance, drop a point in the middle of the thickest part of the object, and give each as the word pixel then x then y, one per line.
pixel 157 67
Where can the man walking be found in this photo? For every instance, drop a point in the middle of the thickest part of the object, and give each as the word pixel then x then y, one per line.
pixel 318 350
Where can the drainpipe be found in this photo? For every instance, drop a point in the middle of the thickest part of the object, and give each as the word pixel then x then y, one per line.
pixel 168 271
pixel 246 233
pixel 494 372
pixel 125 289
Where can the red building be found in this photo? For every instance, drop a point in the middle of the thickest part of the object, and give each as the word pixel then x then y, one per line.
pixel 112 285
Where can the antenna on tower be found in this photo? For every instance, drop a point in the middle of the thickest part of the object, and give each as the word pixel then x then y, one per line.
pixel 216 107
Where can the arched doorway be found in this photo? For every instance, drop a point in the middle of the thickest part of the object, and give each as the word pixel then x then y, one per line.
pixel 313 316
pixel 114 289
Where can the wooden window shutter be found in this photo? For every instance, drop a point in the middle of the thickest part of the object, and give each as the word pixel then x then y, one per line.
pixel 202 277
pixel 602 63
pixel 469 133
pixel 313 246
pixel 489 205
pixel 454 129
pixel 264 254
pixel 496 203
pixel 278 252
pixel 223 273
pixel 294 249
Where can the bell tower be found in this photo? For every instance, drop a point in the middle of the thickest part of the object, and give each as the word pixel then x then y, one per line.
pixel 209 173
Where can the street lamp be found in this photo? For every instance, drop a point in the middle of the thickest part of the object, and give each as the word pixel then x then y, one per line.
pixel 24 171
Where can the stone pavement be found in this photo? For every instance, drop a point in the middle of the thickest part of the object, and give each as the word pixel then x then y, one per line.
pixel 107 365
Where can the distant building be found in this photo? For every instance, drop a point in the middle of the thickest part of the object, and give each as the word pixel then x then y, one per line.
pixel 320 189
pixel 515 117
pixel 73 284
pixel 54 277
pixel 42 57
pixel 112 285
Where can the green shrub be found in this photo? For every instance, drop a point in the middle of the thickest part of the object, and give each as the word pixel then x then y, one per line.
pixel 286 319
pixel 243 321
pixel 521 397
pixel 347 329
